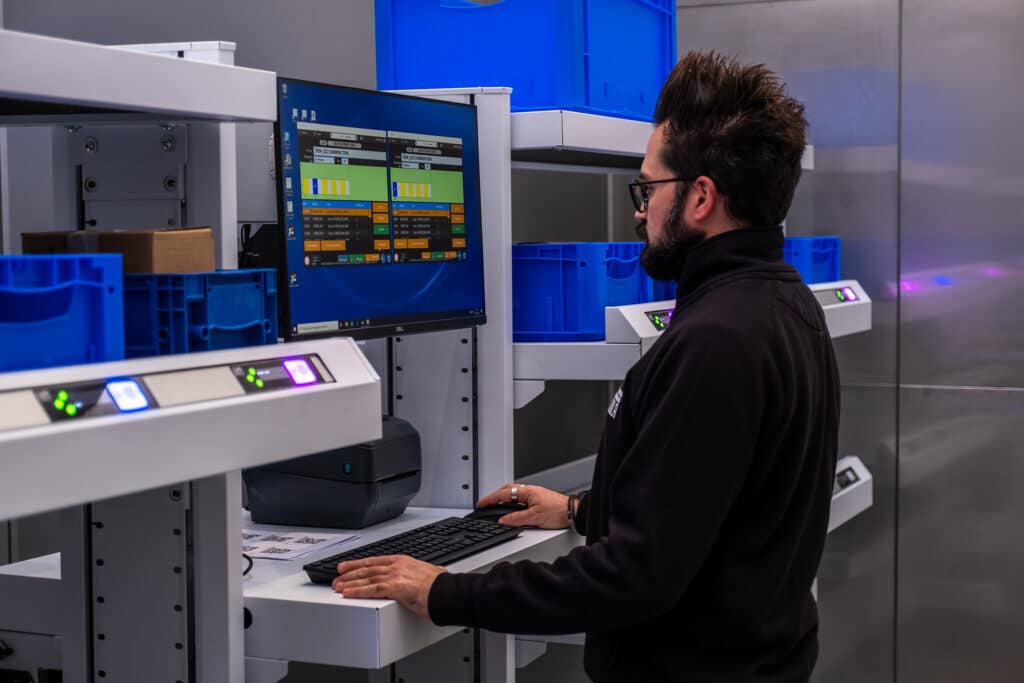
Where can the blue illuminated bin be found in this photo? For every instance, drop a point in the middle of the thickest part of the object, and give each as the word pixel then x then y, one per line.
pixel 560 291
pixel 184 312
pixel 817 259
pixel 598 56
pixel 64 309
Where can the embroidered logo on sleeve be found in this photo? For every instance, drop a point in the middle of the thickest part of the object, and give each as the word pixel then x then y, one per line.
pixel 613 407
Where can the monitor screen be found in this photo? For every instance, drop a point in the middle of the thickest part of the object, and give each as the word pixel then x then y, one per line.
pixel 379 199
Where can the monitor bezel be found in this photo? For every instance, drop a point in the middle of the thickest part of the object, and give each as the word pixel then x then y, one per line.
pixel 371 331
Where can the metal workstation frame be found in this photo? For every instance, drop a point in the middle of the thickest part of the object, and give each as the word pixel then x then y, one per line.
pixel 149 578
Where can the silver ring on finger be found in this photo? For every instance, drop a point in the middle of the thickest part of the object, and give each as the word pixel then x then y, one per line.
pixel 514 494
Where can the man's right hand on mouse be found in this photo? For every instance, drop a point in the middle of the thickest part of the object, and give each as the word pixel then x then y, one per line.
pixel 546 509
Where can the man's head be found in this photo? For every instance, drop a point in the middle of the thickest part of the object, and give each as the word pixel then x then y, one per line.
pixel 729 141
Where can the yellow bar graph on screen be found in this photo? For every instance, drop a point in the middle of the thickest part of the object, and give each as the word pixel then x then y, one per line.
pixel 326 187
pixel 414 190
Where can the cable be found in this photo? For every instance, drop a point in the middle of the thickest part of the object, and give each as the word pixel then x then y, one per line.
pixel 248 568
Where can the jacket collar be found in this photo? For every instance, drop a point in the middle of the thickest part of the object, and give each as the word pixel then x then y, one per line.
pixel 731 251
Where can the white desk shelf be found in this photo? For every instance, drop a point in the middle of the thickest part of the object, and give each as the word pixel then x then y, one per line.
pixel 294 619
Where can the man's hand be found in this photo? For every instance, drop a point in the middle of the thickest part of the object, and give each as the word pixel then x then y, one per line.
pixel 545 508
pixel 389 577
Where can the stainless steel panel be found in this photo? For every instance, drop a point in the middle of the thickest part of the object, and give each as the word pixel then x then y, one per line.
pixel 961 600
pixel 856 581
pixel 963 271
pixel 960 557
pixel 841 57
pixel 556 206
pixel 561 425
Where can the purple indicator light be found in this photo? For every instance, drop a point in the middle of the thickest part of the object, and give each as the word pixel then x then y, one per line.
pixel 300 372
pixel 849 294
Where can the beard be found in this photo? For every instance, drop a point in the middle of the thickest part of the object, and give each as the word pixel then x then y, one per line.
pixel 665 260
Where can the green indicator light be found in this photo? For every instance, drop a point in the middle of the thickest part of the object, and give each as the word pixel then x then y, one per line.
pixel 839 295
pixel 249 378
pixel 71 410
pixel 347 468
pixel 259 383
pixel 62 395
pixel 58 404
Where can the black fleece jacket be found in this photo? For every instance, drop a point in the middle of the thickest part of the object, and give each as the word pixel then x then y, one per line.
pixel 710 497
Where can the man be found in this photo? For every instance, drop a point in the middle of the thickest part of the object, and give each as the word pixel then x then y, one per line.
pixel 710 500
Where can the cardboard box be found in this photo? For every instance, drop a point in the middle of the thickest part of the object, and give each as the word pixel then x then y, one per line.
pixel 170 250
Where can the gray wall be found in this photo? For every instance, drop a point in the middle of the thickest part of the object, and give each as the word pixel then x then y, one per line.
pixel 319 40
pixel 841 57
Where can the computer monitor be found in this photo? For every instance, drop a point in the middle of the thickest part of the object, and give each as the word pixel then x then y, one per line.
pixel 379 202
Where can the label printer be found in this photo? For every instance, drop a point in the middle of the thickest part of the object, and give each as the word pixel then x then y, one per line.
pixel 344 488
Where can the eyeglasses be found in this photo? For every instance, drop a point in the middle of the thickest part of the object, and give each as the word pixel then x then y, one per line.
pixel 640 191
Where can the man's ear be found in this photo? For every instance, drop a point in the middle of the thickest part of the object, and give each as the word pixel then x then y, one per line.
pixel 707 197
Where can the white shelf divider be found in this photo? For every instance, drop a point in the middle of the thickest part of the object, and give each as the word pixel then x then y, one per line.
pixel 56 80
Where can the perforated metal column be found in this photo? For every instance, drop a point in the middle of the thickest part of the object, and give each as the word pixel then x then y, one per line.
pixel 141 623
pixel 432 380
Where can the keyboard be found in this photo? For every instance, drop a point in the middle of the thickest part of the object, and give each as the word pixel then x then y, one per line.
pixel 441 542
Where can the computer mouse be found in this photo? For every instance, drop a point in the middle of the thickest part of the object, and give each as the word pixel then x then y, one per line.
pixel 492 513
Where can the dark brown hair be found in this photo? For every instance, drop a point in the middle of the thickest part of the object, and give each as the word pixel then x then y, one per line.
pixel 735 124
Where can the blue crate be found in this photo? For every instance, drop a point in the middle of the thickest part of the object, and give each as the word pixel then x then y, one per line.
pixel 559 291
pixel 199 311
pixel 815 258
pixel 60 310
pixel 598 56
pixel 662 290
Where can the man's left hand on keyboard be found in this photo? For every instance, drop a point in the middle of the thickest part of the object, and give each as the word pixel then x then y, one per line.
pixel 389 577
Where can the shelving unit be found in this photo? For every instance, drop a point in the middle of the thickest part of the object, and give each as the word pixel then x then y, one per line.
pixel 57 99
pixel 110 107
pixel 609 360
